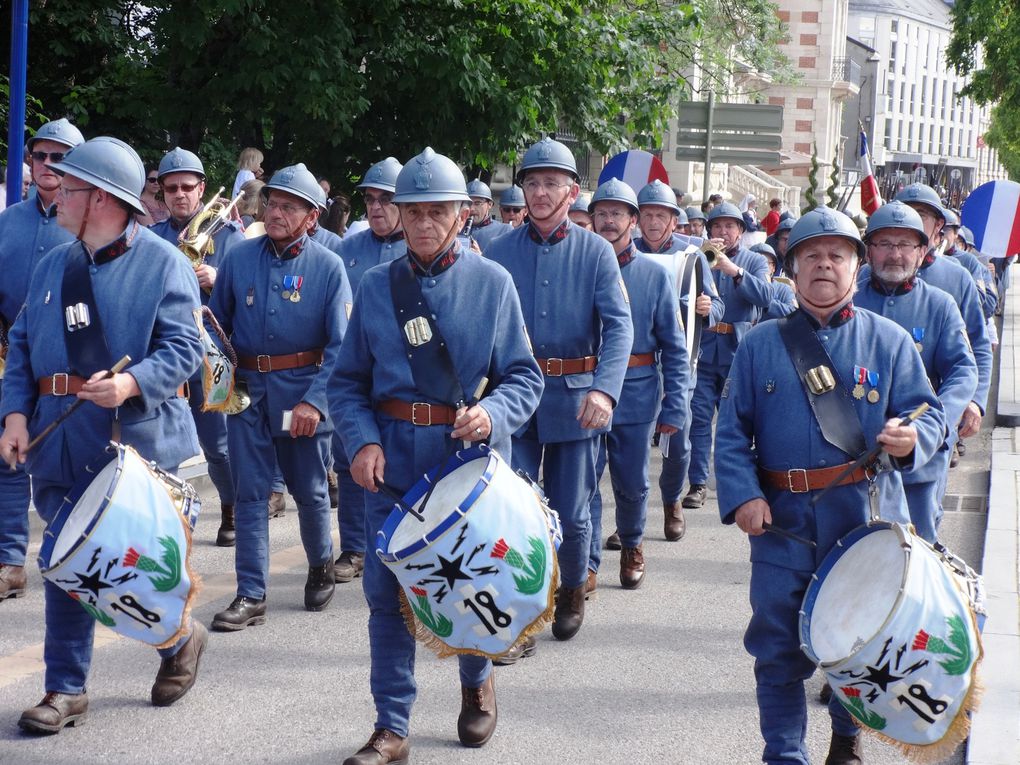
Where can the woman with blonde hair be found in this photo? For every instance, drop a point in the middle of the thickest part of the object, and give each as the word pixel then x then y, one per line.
pixel 249 166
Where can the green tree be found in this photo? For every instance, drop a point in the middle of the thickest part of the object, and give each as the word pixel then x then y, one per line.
pixel 810 193
pixel 339 85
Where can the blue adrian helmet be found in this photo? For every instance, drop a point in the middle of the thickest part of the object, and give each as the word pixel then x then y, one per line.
pixel 726 210
pixel 614 190
pixel 430 177
pixel 766 249
pixel 548 154
pixel 658 193
pixel 297 180
pixel 895 214
pixel 579 205
pixel 695 213
pixel 966 235
pixel 478 189
pixel 823 221
pixel 786 224
pixel 924 195
pixel 952 219
pixel 322 199
pixel 382 175
pixel 180 160
pixel 108 164
pixel 60 131
pixel 513 196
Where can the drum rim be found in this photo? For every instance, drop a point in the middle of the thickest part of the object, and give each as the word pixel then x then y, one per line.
pixel 417 491
pixel 71 499
pixel 828 563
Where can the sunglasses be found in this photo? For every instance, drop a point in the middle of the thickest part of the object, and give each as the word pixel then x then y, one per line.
pixel 153 179
pixel 172 188
pixel 41 156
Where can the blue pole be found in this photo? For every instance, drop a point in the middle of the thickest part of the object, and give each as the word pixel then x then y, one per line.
pixel 16 125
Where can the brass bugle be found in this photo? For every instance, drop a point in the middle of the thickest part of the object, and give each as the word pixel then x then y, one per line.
pixel 711 252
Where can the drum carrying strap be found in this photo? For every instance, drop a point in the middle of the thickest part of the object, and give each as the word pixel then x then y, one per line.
pixel 693 323
pixel 432 368
pixel 833 408
pixel 87 349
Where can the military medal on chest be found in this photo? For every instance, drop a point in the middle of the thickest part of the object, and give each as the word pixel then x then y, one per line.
pixel 292 288
pixel 918 333
pixel 873 394
pixel 860 375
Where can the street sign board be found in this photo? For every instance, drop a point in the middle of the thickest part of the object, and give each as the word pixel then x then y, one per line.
pixel 765 141
pixel 758 117
pixel 728 156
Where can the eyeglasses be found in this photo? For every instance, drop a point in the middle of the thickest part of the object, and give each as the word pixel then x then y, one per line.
pixel 550 187
pixel 383 200
pixel 172 188
pixel 286 209
pixel 65 191
pixel 153 179
pixel 41 156
pixel 897 246
pixel 616 215
pixel 511 209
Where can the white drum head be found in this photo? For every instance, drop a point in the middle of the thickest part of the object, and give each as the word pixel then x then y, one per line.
pixel 91 504
pixel 451 490
pixel 857 596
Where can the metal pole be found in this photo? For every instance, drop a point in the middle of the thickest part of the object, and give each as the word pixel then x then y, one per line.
pixel 708 145
pixel 16 113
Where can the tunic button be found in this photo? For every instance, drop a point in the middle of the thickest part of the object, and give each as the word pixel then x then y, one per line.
pixel 354 263
pixel 272 337
pixel 40 249
pixel 272 311
pixel 822 462
pixel 542 346
pixel 432 282
pixel 543 314
pixel 275 287
pixel 92 269
pixel 545 282
pixel 545 249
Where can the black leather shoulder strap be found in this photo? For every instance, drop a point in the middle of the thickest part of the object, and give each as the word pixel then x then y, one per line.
pixel 427 353
pixel 87 349
pixel 834 409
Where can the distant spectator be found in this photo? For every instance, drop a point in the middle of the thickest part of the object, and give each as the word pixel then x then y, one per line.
pixel 681 196
pixel 706 206
pixel 152 199
pixel 251 206
pixel 749 210
pixel 338 214
pixel 771 219
pixel 249 166
pixel 715 199
pixel 324 183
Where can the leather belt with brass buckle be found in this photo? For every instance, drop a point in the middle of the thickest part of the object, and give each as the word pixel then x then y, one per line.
pixel 801 480
pixel 559 367
pixel 420 413
pixel 265 363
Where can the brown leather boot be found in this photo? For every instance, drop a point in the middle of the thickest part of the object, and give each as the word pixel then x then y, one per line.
pixel 277 505
pixel 383 748
pixel 54 712
pixel 845 750
pixel 477 721
pixel 522 650
pixel 591 585
pixel 177 674
pixel 569 614
pixel 674 525
pixel 632 567
pixel 613 541
pixel 12 581
pixel 227 534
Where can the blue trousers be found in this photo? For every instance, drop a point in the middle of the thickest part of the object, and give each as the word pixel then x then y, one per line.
pixel 350 514
pixel 303 463
pixel 677 458
pixel 392 647
pixel 626 448
pixel 704 403
pixel 780 667
pixel 569 481
pixel 924 500
pixel 67 650
pixel 212 437
pixel 15 495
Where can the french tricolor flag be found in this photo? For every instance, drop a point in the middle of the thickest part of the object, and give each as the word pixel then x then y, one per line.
pixel 871 200
pixel 636 168
pixel 992 213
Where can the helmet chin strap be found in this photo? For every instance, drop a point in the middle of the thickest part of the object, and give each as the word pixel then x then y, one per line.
pixel 838 301
pixel 85 218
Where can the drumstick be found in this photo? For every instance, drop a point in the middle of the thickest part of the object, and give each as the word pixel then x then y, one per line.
pixel 869 456
pixel 118 367
pixel 398 498
pixel 479 390
pixel 781 532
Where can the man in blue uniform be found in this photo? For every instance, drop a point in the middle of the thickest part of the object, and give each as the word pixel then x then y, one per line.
pixel 28 230
pixel 378 399
pixel 575 308
pixel 742 281
pixel 895 238
pixel 137 297
pixel 950 276
pixel 317 233
pixel 659 218
pixel 284 301
pixel 578 213
pixel 696 221
pixel 771 448
pixel 512 208
pixel 780 238
pixel 650 400
pixel 784 301
pixel 986 285
pixel 181 177
pixel 485 229
pixel 382 242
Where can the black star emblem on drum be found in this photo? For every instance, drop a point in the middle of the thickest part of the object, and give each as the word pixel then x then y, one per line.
pixel 92 582
pixel 451 570
pixel 880 676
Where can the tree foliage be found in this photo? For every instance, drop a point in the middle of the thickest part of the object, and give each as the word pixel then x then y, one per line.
pixel 985 46
pixel 339 85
